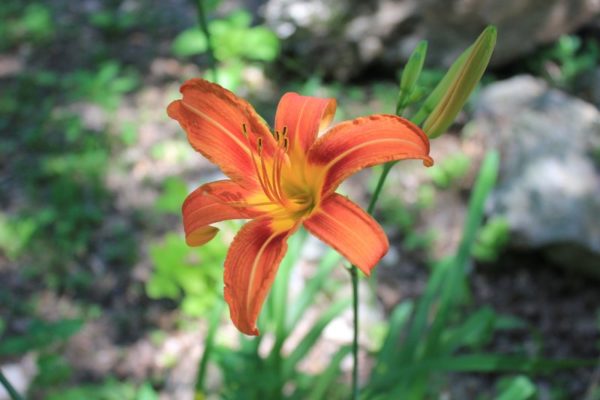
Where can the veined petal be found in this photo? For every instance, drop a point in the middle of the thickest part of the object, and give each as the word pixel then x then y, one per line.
pixel 353 145
pixel 304 118
pixel 352 232
pixel 250 267
pixel 214 120
pixel 210 203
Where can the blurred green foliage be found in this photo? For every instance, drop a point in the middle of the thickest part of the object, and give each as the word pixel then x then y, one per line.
pixel 111 389
pixel 235 42
pixel 62 218
pixel 32 23
pixel 565 60
pixel 450 170
pixel 278 373
pixel 193 275
pixel 105 86
pixel 491 240
pixel 39 335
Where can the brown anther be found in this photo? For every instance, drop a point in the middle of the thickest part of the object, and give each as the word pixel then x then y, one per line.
pixel 286 142
pixel 259 145
pixel 244 130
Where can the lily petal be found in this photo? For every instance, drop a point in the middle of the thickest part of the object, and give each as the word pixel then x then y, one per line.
pixel 250 267
pixel 214 120
pixel 304 118
pixel 353 145
pixel 352 232
pixel 210 203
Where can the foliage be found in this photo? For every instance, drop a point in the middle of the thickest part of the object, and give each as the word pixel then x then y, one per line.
pixel 105 86
pixel 491 240
pixel 438 338
pixel 32 24
pixel 38 335
pixel 565 60
pixel 110 389
pixel 195 275
pixel 235 43
pixel 450 170
pixel 278 372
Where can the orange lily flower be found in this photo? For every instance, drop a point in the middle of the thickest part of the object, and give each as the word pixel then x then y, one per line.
pixel 281 180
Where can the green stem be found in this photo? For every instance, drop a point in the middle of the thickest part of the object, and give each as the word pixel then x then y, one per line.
pixel 354 274
pixel 203 22
pixel 9 388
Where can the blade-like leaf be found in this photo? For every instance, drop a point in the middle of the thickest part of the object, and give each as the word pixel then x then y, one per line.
pixel 309 340
pixel 326 378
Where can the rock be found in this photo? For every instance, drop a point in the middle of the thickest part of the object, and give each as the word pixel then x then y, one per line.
pixel 20 374
pixel 549 186
pixel 342 38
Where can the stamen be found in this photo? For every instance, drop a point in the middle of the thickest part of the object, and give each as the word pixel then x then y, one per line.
pixel 244 130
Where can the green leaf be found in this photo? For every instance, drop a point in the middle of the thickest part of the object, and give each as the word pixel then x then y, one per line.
pixel 325 379
pixel 173 195
pixel 388 351
pixel 190 42
pixel 261 44
pixel 517 388
pixel 39 335
pixel 312 288
pixel 309 340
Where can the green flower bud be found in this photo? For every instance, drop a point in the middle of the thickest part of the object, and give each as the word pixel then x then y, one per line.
pixel 448 98
pixel 410 75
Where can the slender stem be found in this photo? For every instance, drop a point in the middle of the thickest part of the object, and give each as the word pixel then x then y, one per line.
pixel 203 22
pixel 354 274
pixel 9 388
pixel 386 170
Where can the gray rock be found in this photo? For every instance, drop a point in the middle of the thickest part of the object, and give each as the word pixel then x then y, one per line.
pixel 549 187
pixel 342 37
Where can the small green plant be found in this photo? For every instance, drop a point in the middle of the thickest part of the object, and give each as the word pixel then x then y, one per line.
pixel 491 240
pixel 567 59
pixel 433 336
pixel 235 41
pixel 277 372
pixel 192 275
pixel 15 233
pixel 39 335
pixel 445 173
pixel 518 387
pixel 31 24
pixel 105 86
pixel 111 389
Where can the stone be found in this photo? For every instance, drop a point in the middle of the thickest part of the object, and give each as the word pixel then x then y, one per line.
pixel 549 185
pixel 342 38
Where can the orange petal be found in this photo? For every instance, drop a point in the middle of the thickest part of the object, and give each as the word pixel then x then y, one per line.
pixel 353 145
pixel 210 203
pixel 304 118
pixel 352 232
pixel 250 268
pixel 213 119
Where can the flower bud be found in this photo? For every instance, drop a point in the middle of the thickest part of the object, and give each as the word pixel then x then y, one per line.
pixel 444 103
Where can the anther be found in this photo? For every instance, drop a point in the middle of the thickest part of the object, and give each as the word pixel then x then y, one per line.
pixel 259 145
pixel 244 130
pixel 285 143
